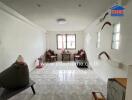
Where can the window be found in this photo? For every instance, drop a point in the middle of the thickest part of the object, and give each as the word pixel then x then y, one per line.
pixel 98 39
pixel 66 41
pixel 116 36
pixel 71 42
pixel 61 41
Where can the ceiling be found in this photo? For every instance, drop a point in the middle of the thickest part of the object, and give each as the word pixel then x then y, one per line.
pixel 78 13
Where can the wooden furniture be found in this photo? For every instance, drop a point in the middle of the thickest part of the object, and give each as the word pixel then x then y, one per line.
pixel 66 55
pixel 50 56
pixel 98 96
pixel 6 94
pixel 80 55
pixel 116 88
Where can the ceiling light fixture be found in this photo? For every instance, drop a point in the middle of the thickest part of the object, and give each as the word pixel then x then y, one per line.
pixel 61 21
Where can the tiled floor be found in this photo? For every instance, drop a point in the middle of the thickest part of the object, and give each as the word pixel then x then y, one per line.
pixel 63 81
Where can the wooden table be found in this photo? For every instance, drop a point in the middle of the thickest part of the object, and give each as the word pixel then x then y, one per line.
pixel 65 55
pixel 98 96
pixel 116 88
pixel 121 81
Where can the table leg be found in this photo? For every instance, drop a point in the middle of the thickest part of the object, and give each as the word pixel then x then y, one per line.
pixel 33 89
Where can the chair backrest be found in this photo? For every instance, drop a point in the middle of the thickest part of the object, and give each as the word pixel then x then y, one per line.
pixel 79 51
pixel 82 53
pixel 48 53
pixel 51 52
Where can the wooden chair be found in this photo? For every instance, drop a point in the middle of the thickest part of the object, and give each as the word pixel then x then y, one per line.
pixel 80 55
pixel 50 56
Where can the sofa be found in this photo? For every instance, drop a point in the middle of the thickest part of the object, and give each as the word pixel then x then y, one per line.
pixel 14 77
pixel 14 80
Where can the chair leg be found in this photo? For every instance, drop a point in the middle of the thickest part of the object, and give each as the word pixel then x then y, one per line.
pixel 33 89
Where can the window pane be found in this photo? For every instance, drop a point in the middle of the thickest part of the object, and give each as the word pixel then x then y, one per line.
pixel 59 45
pixel 71 41
pixel 71 45
pixel 98 40
pixel 61 40
pixel 116 37
pixel 115 45
pixel 117 28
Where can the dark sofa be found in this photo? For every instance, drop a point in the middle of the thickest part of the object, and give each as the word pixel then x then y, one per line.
pixel 14 77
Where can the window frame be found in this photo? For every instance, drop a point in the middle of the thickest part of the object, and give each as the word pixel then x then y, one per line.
pixel 66 42
pixel 113 37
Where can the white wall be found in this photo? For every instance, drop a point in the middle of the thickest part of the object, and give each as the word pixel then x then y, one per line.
pixel 104 68
pixel 129 86
pixel 52 42
pixel 19 36
pixel 127 30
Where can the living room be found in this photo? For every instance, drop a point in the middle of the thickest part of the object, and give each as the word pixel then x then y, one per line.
pixel 86 25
